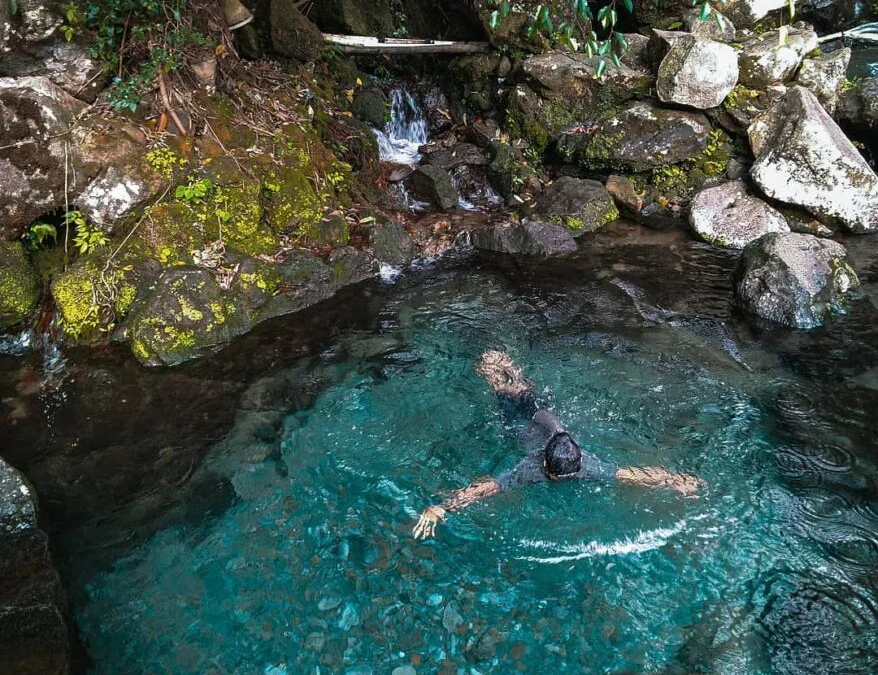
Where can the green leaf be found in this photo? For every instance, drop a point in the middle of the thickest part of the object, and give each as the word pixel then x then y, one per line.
pixel 719 20
pixel 614 57
pixel 505 8
pixel 629 5
pixel 13 7
pixel 705 11
pixel 494 21
pixel 622 42
pixel 601 69
pixel 792 5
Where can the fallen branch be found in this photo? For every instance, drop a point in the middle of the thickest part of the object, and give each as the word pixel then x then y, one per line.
pixel 166 101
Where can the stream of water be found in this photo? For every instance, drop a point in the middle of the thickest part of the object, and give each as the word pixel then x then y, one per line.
pixel 306 564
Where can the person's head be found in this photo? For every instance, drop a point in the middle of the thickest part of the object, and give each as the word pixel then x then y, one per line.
pixel 562 458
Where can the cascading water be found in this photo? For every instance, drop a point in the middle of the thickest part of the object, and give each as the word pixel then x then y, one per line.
pixel 406 131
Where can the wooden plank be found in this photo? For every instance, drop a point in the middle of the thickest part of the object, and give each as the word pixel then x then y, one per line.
pixel 362 44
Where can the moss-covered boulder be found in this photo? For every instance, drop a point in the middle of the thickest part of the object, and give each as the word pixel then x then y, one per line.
pixel 580 205
pixel 234 214
pixel 433 185
pixel 186 313
pixel 371 106
pixel 641 137
pixel 292 33
pixel 170 233
pixel 292 206
pixel 19 287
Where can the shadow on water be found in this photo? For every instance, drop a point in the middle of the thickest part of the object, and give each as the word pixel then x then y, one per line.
pixel 257 503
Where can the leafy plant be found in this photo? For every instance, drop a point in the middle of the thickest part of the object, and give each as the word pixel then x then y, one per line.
pixel 38 233
pixel 88 237
pixel 577 27
pixel 194 192
pixel 73 19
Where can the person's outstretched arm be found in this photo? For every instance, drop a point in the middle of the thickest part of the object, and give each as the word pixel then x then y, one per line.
pixel 657 477
pixel 457 500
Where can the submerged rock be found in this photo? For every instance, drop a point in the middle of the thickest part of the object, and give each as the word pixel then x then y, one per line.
pixel 794 279
pixel 530 237
pixel 824 76
pixel 33 632
pixel 728 216
pixel 433 184
pixel 767 60
pixel 803 158
pixel 19 286
pixel 580 205
pixel 697 72
pixel 641 137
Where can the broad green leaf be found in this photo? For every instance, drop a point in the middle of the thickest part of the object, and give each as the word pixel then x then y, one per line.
pixel 719 20
pixel 505 8
pixel 494 21
pixel 629 5
pixel 622 42
pixel 13 7
pixel 601 69
pixel 792 5
pixel 615 59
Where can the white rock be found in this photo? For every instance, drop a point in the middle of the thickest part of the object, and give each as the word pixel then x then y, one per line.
pixel 767 60
pixel 824 76
pixel 728 216
pixel 697 72
pixel 803 158
pixel 745 13
pixel 716 26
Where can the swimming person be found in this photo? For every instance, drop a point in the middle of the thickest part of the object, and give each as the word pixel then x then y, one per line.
pixel 556 457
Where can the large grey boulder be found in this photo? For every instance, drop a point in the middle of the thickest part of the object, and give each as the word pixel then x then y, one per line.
pixel 530 237
pixel 803 158
pixel 34 636
pixel 580 205
pixel 641 137
pixel 794 279
pixel 34 116
pixel 824 76
pixel 766 60
pixel 433 184
pixel 727 215
pixel 697 72
pixel 391 243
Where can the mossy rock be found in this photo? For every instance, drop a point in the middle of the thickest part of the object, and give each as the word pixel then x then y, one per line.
pixel 186 313
pixel 536 120
pixel 292 206
pixel 256 282
pixel 371 106
pixel 19 285
pixel 76 295
pixel 391 243
pixel 170 233
pixel 331 231
pixel 234 215
pixel 580 205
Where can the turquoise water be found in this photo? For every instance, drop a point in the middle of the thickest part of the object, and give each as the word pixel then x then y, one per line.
pixel 311 568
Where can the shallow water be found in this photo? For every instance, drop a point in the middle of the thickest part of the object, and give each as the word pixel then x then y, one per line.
pixel 306 564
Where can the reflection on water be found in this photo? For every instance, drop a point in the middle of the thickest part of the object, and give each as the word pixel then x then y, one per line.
pixel 306 564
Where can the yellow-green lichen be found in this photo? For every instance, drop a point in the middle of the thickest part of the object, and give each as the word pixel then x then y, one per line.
pixel 233 214
pixel 19 286
pixel 165 162
pixel 76 294
pixel 294 208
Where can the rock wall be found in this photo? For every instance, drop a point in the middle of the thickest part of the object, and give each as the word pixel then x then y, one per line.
pixel 34 637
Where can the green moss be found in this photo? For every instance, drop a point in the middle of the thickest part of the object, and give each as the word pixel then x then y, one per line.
pixel 234 214
pixel 292 207
pixel 170 233
pixel 165 162
pixel 153 335
pixel 19 285
pixel 76 294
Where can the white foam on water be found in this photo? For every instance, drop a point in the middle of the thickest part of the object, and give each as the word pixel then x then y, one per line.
pixel 642 543
pixel 388 274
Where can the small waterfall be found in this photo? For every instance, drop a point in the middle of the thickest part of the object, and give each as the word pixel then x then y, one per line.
pixel 54 363
pixel 405 132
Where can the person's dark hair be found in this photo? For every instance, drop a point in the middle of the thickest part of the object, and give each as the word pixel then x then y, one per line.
pixel 563 456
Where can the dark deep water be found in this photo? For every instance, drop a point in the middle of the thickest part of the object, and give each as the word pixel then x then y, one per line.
pixel 251 512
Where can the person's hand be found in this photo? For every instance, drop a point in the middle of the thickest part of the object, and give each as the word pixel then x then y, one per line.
pixel 686 485
pixel 426 526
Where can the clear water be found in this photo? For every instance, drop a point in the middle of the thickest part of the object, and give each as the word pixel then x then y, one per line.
pixel 405 132
pixel 311 568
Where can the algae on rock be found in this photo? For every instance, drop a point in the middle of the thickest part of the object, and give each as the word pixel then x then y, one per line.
pixel 19 286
